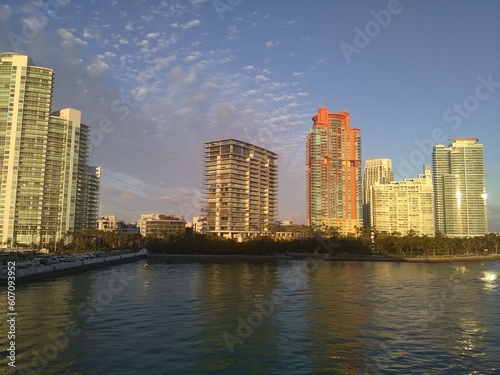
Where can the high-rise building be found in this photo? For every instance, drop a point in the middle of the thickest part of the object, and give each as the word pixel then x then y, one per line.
pixel 376 171
pixel 88 214
pixel 240 188
pixel 334 197
pixel 404 206
pixel 42 155
pixel 93 201
pixel 460 188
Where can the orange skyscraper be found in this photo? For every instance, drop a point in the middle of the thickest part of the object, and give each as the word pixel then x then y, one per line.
pixel 334 192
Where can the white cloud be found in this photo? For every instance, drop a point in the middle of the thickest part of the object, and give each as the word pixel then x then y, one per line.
pixel 283 98
pixel 192 56
pixel 5 12
pixel 272 43
pixel 186 25
pixel 163 62
pixel 91 33
pixel 261 78
pixel 209 85
pixel 97 67
pixel 287 24
pixel 232 32
pixel 68 37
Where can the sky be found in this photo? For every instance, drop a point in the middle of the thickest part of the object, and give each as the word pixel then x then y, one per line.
pixel 156 79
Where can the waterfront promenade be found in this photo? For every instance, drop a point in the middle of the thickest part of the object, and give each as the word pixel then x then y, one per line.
pixel 64 268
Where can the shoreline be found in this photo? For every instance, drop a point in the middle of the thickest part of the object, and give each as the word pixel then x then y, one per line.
pixel 352 258
pixel 221 257
pixel 64 269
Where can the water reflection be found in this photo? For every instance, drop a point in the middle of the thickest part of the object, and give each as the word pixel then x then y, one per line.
pixel 490 280
pixel 278 317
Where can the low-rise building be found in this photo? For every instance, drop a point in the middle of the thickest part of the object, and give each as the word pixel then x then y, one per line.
pixel 161 226
pixel 122 227
pixel 107 223
pixel 199 224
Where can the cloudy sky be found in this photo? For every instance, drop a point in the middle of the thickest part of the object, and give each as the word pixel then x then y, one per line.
pixel 156 79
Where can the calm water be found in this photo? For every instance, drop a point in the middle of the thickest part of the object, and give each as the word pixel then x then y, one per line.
pixel 272 317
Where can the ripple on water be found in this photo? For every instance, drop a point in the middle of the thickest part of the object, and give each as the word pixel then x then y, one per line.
pixel 338 317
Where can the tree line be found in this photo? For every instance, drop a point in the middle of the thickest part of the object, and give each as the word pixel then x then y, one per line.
pixel 394 245
pixel 326 242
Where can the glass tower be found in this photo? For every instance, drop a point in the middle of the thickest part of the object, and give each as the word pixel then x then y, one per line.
pixel 459 188
pixel 41 155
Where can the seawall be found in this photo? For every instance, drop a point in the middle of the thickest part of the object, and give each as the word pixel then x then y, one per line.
pixel 60 269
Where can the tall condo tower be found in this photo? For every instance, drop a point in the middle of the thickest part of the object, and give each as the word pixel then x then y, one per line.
pixel 334 197
pixel 376 171
pixel 240 188
pixel 459 188
pixel 43 156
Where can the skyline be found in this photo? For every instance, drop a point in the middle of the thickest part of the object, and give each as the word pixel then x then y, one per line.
pixel 156 82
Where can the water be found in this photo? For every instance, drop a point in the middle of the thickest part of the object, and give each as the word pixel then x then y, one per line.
pixel 269 317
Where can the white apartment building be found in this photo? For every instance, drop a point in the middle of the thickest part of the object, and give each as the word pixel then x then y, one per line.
pixel 240 188
pixel 404 206
pixel 376 171
pixel 161 226
pixel 460 188
pixel 43 157
pixel 107 223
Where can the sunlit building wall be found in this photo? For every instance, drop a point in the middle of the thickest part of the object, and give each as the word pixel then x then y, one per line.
pixel 107 223
pixel 460 188
pixel 240 188
pixel 376 171
pixel 161 226
pixel 404 206
pixel 89 212
pixel 334 185
pixel 41 154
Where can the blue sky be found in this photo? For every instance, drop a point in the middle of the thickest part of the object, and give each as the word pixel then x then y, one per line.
pixel 156 79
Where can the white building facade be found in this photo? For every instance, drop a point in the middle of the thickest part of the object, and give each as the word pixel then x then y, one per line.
pixel 240 188
pixel 404 206
pixel 460 188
